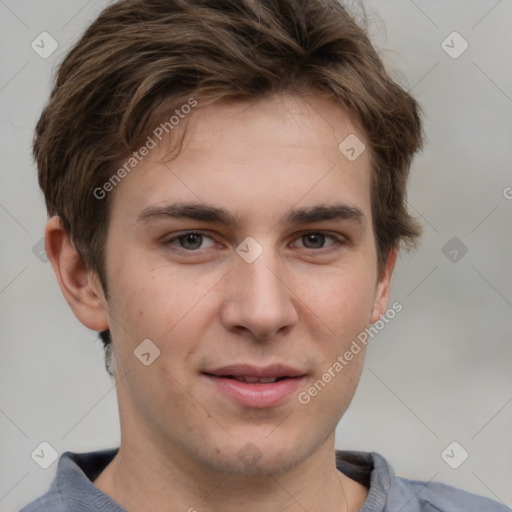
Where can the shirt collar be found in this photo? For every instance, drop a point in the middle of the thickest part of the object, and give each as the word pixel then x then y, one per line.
pixel 76 473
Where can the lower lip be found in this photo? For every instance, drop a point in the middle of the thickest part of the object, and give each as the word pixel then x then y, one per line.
pixel 256 395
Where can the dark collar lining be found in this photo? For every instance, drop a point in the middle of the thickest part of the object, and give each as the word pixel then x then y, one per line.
pixel 93 463
pixel 356 465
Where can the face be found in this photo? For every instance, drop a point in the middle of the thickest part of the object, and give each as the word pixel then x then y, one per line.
pixel 223 258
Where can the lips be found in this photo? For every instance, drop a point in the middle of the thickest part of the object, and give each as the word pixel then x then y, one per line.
pixel 273 371
pixel 257 387
pixel 255 380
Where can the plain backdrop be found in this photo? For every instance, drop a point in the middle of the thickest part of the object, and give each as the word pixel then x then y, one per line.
pixel 440 372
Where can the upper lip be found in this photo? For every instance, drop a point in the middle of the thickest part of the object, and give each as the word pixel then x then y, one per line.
pixel 247 370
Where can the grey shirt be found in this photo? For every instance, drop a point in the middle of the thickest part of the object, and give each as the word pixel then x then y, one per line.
pixel 72 489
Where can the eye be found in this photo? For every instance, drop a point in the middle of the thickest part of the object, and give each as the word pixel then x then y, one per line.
pixel 193 241
pixel 316 240
pixel 189 241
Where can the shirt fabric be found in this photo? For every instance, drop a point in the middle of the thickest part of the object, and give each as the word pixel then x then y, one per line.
pixel 72 489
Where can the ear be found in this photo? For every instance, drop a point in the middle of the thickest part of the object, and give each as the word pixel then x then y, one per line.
pixel 81 288
pixel 384 287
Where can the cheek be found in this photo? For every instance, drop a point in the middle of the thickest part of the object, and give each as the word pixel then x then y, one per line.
pixel 341 299
pixel 165 305
pixel 151 300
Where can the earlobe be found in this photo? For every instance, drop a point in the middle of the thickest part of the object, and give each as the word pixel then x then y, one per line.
pixel 80 287
pixel 384 287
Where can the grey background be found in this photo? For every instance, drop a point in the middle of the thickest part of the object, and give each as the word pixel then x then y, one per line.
pixel 441 371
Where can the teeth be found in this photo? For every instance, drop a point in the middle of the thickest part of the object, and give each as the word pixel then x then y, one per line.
pixel 248 380
pixel 256 380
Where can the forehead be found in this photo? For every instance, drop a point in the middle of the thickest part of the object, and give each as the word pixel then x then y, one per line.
pixel 263 156
pixel 287 126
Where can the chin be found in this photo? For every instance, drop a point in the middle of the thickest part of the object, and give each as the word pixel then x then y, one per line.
pixel 257 458
pixel 258 464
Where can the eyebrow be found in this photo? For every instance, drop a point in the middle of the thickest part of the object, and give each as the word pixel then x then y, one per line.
pixel 206 213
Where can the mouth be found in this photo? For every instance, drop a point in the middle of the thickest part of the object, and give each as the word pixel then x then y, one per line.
pixel 250 380
pixel 256 387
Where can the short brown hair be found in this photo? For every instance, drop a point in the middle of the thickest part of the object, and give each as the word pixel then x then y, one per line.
pixel 142 59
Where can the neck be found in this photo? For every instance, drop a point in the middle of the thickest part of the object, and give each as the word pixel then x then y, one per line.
pixel 142 478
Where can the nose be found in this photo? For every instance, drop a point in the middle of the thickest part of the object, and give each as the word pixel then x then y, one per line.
pixel 258 300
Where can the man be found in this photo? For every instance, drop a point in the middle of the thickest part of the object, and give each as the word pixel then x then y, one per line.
pixel 253 131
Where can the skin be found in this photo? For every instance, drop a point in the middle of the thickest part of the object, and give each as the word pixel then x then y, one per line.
pixel 300 303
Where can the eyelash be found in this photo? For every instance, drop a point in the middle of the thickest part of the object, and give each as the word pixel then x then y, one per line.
pixel 338 240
